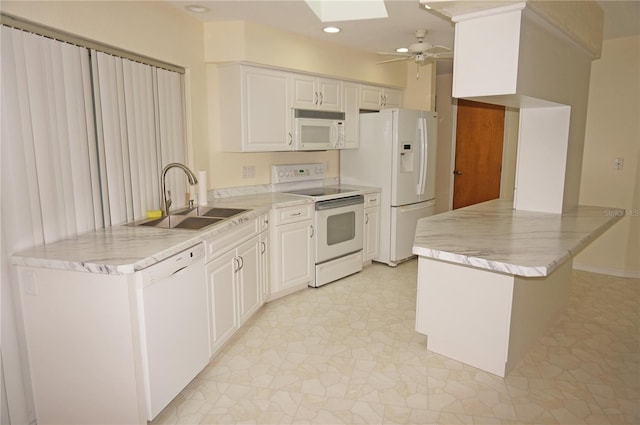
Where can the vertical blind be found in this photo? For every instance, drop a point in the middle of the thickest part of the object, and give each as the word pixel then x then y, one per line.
pixel 85 136
pixel 49 163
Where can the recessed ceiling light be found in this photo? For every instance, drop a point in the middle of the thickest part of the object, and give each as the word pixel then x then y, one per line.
pixel 195 8
pixel 331 30
pixel 402 50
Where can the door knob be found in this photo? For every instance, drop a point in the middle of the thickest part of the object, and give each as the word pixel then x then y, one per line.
pixel 457 172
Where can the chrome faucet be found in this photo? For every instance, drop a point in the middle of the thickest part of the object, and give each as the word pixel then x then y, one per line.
pixel 167 199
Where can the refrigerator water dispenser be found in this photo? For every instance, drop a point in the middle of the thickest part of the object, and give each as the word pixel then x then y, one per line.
pixel 406 158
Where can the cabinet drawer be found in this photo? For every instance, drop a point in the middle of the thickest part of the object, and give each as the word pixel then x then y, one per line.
pixel 292 214
pixel 223 242
pixel 372 200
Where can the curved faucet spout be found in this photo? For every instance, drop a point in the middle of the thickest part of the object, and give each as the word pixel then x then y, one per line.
pixel 166 200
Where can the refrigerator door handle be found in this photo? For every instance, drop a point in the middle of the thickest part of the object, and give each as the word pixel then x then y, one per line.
pixel 422 140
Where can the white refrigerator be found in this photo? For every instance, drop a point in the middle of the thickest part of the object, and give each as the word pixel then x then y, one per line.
pixel 397 153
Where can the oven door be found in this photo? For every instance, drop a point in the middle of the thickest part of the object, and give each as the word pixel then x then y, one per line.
pixel 339 227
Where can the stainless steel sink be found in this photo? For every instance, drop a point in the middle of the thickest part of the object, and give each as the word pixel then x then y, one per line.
pixel 180 222
pixel 215 212
pixel 191 218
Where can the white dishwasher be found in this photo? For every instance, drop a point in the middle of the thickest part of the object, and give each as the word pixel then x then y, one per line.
pixel 174 331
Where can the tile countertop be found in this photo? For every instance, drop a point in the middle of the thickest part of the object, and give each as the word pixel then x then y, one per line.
pixel 494 236
pixel 123 249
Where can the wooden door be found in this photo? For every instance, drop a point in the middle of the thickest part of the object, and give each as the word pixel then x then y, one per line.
pixel 478 159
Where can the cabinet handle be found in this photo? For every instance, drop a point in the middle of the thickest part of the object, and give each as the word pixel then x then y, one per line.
pixel 236 263
pixel 312 231
pixel 321 98
pixel 264 247
pixel 241 262
pixel 315 97
pixel 296 214
pixel 290 139
pixel 366 218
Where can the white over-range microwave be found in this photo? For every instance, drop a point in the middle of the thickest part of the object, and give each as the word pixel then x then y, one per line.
pixel 318 130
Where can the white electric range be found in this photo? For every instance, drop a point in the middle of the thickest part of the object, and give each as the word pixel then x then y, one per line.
pixel 338 218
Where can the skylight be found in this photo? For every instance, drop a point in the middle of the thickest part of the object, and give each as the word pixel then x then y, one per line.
pixel 347 10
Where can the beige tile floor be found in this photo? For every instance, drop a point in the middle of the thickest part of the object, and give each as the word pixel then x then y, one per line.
pixel 347 353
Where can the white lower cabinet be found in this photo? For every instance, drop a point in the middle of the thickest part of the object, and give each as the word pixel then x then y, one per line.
pixel 248 278
pixel 371 235
pixel 223 317
pixel 292 249
pixel 235 281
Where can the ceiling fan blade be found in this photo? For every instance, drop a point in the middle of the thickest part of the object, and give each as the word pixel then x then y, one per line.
pixel 443 55
pixel 395 60
pixel 438 49
pixel 395 54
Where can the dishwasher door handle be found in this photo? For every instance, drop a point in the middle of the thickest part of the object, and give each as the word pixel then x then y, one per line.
pixel 179 270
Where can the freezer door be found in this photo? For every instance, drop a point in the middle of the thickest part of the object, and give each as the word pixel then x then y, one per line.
pixel 403 228
pixel 413 156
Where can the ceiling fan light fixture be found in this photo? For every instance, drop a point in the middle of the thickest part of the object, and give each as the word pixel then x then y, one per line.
pixel 196 8
pixel 331 30
pixel 402 50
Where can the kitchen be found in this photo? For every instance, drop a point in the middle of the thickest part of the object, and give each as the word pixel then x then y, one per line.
pixel 224 168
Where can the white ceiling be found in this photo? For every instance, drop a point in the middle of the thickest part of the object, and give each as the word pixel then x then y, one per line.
pixel 622 18
pixel 374 35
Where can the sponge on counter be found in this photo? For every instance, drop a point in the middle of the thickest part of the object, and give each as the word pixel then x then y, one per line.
pixel 154 213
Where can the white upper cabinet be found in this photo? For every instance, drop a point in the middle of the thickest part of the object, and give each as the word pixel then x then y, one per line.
pixel 376 97
pixel 255 106
pixel 351 108
pixel 311 92
pixel 255 109
pixel 392 98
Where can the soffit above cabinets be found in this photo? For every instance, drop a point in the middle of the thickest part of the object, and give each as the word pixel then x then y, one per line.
pixel 582 21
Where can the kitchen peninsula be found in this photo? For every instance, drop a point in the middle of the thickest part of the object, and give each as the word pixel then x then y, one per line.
pixel 491 279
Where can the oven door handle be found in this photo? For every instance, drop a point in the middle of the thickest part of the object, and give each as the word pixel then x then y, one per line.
pixel 339 202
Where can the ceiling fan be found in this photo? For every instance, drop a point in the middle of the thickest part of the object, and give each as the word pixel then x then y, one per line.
pixel 421 52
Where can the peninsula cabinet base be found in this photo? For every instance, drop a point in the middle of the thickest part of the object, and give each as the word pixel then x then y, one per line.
pixel 486 319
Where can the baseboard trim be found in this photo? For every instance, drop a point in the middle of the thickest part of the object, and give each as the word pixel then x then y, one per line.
pixel 633 274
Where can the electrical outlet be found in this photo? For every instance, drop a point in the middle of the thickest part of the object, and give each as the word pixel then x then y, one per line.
pixel 248 171
pixel 618 163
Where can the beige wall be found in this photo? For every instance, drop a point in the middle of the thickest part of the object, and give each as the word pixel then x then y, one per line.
pixel 613 131
pixel 446 143
pixel 420 89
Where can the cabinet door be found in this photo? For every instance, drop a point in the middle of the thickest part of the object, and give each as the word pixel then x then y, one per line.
pixel 248 278
pixel 265 269
pixel 330 92
pixel 305 92
pixel 267 110
pixel 294 259
pixel 392 98
pixel 222 299
pixel 371 239
pixel 370 97
pixel 351 108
